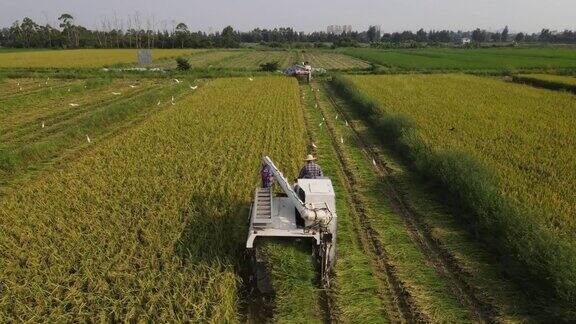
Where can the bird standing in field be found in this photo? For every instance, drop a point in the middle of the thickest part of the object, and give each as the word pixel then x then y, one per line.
pixel 42 124
pixel 250 79
pixel 452 129
pixel 133 86
pixel 74 105
pixel 314 145
pixel 177 81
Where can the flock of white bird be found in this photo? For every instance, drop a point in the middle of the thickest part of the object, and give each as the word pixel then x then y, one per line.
pixel 172 101
pixel 322 123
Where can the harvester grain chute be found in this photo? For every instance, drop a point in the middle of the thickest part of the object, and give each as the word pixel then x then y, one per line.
pixel 305 211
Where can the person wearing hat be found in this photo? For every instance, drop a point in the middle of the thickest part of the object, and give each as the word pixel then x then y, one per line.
pixel 311 170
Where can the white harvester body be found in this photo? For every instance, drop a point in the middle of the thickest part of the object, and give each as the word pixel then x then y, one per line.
pixel 305 210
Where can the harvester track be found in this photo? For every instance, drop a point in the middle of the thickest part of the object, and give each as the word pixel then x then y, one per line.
pixel 326 294
pixel 399 305
pixel 443 261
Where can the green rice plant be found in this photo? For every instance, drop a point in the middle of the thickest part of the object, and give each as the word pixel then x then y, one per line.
pixel 493 155
pixel 467 59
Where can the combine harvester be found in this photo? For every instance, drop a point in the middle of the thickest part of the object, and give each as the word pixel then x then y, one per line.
pixel 303 71
pixel 306 211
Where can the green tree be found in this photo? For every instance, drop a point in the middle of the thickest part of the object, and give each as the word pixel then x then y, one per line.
pixel 182 33
pixel 505 34
pixel 479 36
pixel 421 36
pixel 229 38
pixel 373 34
pixel 67 25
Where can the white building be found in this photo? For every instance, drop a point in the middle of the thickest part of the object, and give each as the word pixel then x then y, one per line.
pixel 339 29
pixel 465 41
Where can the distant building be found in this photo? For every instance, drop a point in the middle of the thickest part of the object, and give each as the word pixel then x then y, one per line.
pixel 339 29
pixel 465 41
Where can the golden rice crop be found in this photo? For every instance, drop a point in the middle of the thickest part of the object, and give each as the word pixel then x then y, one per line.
pixel 146 226
pixel 526 135
pixel 501 153
pixel 80 58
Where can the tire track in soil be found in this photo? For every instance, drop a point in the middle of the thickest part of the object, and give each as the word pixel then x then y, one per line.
pixel 444 262
pixel 399 303
pixel 329 312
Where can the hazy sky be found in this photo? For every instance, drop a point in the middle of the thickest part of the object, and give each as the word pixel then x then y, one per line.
pixel 307 15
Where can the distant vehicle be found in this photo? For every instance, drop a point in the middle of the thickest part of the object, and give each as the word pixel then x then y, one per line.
pixel 299 70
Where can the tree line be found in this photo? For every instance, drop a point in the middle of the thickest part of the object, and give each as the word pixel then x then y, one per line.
pixel 68 34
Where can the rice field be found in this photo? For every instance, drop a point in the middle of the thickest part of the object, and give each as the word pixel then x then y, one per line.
pixel 549 81
pixel 524 136
pixel 124 197
pixel 564 79
pixel 50 119
pixel 332 60
pixel 468 59
pixel 251 60
pixel 147 226
pixel 81 58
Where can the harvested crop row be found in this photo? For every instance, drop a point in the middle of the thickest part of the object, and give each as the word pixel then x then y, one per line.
pixel 138 228
pixel 420 291
pixel 528 201
pixel 548 81
pixel 52 104
pixel 10 88
pixel 205 59
pixel 251 60
pixel 65 130
pixel 356 292
pixel 331 61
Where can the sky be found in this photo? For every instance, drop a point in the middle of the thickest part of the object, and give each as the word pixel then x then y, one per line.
pixel 304 15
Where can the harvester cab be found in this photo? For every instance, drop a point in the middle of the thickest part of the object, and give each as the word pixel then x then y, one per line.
pixel 306 210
